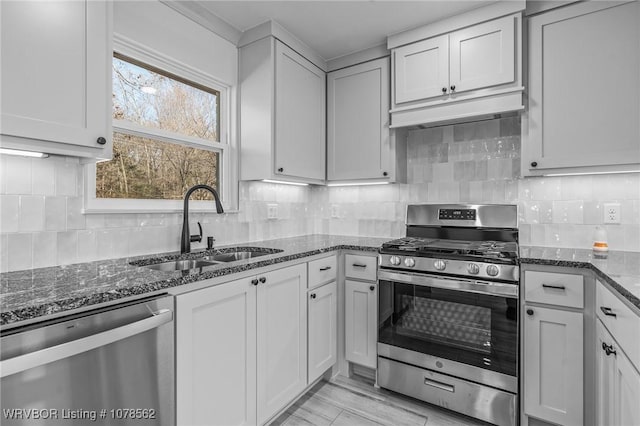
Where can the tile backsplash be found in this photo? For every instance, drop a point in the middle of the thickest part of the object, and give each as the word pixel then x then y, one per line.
pixel 41 220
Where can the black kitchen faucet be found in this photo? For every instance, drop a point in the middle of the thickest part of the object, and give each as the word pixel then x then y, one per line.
pixel 187 238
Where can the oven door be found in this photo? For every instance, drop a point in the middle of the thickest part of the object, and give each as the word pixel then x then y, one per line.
pixel 459 327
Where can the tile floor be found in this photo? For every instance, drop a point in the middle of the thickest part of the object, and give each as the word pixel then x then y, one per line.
pixel 355 402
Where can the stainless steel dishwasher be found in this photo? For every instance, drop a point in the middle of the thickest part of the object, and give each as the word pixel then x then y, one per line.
pixel 112 366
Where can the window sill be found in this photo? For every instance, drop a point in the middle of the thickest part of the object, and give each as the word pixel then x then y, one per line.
pixel 153 211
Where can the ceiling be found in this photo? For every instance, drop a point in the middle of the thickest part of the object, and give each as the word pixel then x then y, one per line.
pixel 337 28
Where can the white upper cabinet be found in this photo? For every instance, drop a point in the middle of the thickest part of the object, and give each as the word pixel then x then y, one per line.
pixel 359 145
pixel 584 89
pixel 461 67
pixel 56 70
pixel 483 55
pixel 421 70
pixel 282 114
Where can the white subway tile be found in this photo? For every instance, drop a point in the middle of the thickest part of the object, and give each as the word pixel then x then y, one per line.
pixel 18 175
pixel 87 245
pixel 43 175
pixel 67 243
pixel 31 213
pixel 55 213
pixel 9 213
pixel 75 218
pixel 4 253
pixel 67 178
pixel 20 255
pixel 45 247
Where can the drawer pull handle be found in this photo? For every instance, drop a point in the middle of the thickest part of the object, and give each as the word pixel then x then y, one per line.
pixel 556 287
pixel 359 265
pixel 326 268
pixel 439 385
pixel 609 349
pixel 607 311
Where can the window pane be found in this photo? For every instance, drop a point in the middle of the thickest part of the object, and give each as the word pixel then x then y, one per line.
pixel 149 169
pixel 159 100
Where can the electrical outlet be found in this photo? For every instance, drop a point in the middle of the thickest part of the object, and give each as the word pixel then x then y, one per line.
pixel 272 211
pixel 334 211
pixel 612 213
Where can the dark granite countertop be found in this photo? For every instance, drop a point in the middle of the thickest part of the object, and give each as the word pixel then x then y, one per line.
pixel 620 270
pixel 39 294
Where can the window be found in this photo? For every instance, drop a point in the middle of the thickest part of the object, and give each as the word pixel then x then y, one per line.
pixel 168 135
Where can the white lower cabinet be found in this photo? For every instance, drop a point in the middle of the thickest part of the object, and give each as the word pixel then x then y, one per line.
pixel 618 383
pixel 241 348
pixel 282 338
pixel 360 322
pixel 553 366
pixel 322 306
pixel 216 355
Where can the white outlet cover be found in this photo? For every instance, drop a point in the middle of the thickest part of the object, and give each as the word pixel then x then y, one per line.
pixel 272 211
pixel 611 213
pixel 335 210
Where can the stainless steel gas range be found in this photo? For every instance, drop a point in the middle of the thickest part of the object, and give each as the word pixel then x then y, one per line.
pixel 448 310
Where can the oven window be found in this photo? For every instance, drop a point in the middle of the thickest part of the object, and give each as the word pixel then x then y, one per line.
pixel 475 329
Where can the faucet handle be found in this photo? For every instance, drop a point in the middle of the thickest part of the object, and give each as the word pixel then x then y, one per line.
pixel 196 238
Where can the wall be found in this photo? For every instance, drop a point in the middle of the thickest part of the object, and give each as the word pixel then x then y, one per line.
pixel 42 224
pixel 480 163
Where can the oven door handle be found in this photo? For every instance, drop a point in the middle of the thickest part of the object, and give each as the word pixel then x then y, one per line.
pixel 457 284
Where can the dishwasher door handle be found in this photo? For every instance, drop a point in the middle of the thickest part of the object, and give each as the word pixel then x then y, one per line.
pixel 65 350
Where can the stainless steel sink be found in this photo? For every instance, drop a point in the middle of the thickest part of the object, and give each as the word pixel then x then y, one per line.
pixel 233 256
pixel 181 265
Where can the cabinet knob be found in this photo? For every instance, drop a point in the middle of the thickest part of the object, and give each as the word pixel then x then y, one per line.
pixel 529 311
pixel 444 90
pixel 262 280
pixel 534 164
pixel 453 88
pixel 254 281
pixel 313 295
pixel 372 288
pixel 280 169
pixel 608 349
pixel 101 141
pixel 385 174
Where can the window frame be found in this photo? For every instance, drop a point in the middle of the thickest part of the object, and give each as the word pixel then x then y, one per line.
pixel 227 154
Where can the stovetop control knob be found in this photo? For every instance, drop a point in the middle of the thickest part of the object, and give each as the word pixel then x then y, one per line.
pixel 394 260
pixel 409 262
pixel 440 265
pixel 492 270
pixel 473 268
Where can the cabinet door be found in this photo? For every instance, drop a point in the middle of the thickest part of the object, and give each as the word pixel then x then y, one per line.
pixel 299 116
pixel 605 375
pixel 322 329
pixel 282 338
pixel 358 142
pixel 627 392
pixel 421 70
pixel 56 66
pixel 579 118
pixel 553 365
pixel 360 323
pixel 483 55
pixel 216 355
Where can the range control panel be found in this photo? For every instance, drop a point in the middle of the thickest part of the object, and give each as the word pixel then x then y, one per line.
pixel 457 214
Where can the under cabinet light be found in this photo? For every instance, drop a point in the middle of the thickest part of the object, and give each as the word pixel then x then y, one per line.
pixel 22 153
pixel 285 183
pixel 591 173
pixel 357 183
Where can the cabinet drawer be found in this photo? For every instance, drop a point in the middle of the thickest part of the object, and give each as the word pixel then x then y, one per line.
pixel 554 289
pixel 621 321
pixel 360 267
pixel 322 271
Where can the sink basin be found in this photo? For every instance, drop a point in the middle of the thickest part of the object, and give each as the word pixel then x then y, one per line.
pixel 181 265
pixel 233 256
